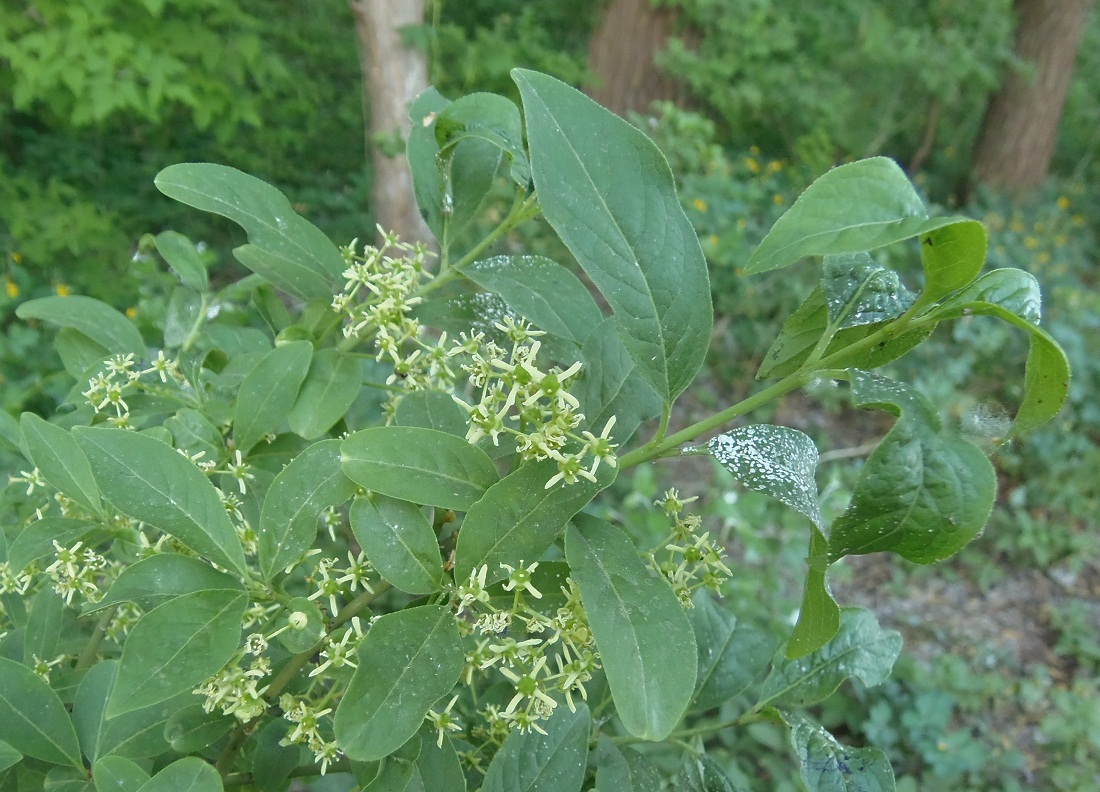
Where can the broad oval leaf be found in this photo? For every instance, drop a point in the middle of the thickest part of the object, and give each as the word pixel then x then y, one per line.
pixel 550 762
pixel 860 291
pixel 97 320
pixel 153 581
pixel 731 654
pixel 78 353
pixel 1012 289
pixel 311 483
pixel 645 639
pixel 951 256
pixel 286 249
pixel 148 480
pixel 43 628
pixel 399 542
pixel 418 465
pixel 183 258
pixel 176 646
pixel 331 385
pixel 828 766
pixel 189 774
pixel 541 290
pixel 407 662
pixel 118 774
pixel 8 756
pixel 776 460
pixel 60 461
pixel 924 493
pixel 268 392
pixel 438 767
pixel 489 117
pixel 36 540
pixel 623 769
pixel 192 728
pixel 33 720
pixel 519 518
pixel 861 649
pixel 819 615
pixel 135 735
pixel 431 410
pixel 607 191
pixel 855 207
pixel 700 773
pixel 611 386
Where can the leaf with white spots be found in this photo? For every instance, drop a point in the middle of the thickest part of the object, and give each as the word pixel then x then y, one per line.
pixel 827 765
pixel 860 291
pixel 776 460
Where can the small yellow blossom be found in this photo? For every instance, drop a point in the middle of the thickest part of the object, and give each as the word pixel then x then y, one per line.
pixel 752 165
pixel 1042 258
pixel 1062 202
pixel 11 288
pixel 777 199
pixel 62 290
pixel 131 312
pixel 17 257
pixel 1031 243
pixel 775 166
pixel 699 204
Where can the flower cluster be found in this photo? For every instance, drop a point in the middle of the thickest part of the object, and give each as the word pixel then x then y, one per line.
pixel 235 690
pixel 562 641
pixel 376 302
pixel 76 571
pixel 107 390
pixel 335 582
pixel 533 406
pixel 692 559
pixel 308 720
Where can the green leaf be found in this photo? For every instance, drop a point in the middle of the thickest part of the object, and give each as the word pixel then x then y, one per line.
pixel 135 735
pixel 8 756
pixel 311 483
pixel 519 518
pixel 185 307
pixel 273 762
pixel 924 493
pixel 399 542
pixel 43 626
pixel 952 256
pixel 860 291
pixel 118 774
pixel 861 649
pixel 853 208
pixel 78 353
pixel 541 290
pixel 300 640
pixel 700 773
pixel 176 646
pixel 449 190
pixel 393 773
pixel 183 258
pixel 286 249
pixel 776 460
pixel 60 461
pixel 819 615
pixel 65 779
pixel 194 433
pixel 466 313
pixel 802 330
pixel 33 720
pixel 623 769
pixel 407 662
pixel 1013 296
pixel 551 762
pixel 331 385
pixel 644 637
pixel 488 117
pixel 418 465
pixel 610 385
pixel 148 480
pixel 191 729
pixel 828 766
pixel 607 191
pixel 432 410
pixel 36 540
pixel 155 580
pixel 731 654
pixel 268 393
pixel 97 320
pixel 11 436
pixel 189 774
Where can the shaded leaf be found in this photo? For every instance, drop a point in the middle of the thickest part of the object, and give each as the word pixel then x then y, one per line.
pixel 43 626
pixel 407 662
pixel 189 774
pixel 180 254
pixel 607 191
pixel 418 465
pixel 190 729
pixel 551 762
pixel 33 721
pixel 153 581
pixel 853 208
pixel 118 774
pixel 702 774
pixel 819 615
pixel 176 646
pixel 8 756
pixel 97 320
pixel 268 393
pixel 861 649
pixel 623 769
pixel 148 480
pixel 399 542
pixel 311 483
pixel 60 461
pixel 731 654
pixel 286 249
pixel 36 540
pixel 329 389
pixel 610 385
pixel 643 636
pixel 488 117
pixel 951 256
pixel 776 460
pixel 519 518
pixel 828 766
pixel 432 410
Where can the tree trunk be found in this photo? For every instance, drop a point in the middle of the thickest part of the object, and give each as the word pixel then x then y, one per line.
pixel 621 53
pixel 393 75
pixel 1020 126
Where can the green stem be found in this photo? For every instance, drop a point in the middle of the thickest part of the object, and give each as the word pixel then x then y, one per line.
pixel 522 210
pixel 232 748
pixel 91 649
pixel 196 326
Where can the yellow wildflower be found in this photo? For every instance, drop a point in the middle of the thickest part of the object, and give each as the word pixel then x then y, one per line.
pixel 62 290
pixel 699 204
pixel 1062 202
pixel 752 165
pixel 11 287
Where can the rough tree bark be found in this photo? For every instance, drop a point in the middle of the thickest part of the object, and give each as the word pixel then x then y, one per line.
pixel 621 53
pixel 1020 126
pixel 393 75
